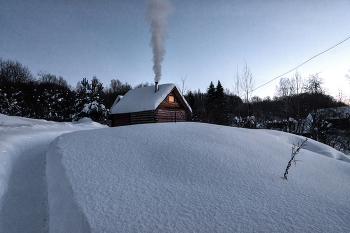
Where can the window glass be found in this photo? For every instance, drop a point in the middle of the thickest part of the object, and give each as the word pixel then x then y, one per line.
pixel 171 98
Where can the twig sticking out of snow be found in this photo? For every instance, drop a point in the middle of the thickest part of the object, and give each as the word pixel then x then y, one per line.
pixel 301 145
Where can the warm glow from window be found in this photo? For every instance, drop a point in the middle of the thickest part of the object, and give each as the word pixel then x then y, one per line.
pixel 171 98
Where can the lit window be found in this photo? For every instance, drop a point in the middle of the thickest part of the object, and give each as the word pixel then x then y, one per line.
pixel 171 98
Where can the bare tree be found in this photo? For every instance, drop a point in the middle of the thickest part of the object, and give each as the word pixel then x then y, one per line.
pixel 46 77
pixel 300 83
pixel 236 83
pixel 314 85
pixel 343 97
pixel 288 92
pixel 247 83
pixel 316 92
pixel 14 72
pixel 237 88
pixel 183 85
pixel 146 84
pixel 285 88
pixel 348 75
pixel 290 86
pixel 116 86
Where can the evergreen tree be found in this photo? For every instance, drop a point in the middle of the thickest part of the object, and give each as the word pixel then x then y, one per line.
pixel 193 104
pixel 56 101
pixel 97 110
pixel 81 99
pixel 210 103
pixel 221 110
pixel 3 102
pixel 16 101
pixel 88 101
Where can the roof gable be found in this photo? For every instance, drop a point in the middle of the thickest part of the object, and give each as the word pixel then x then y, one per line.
pixel 119 97
pixel 173 99
pixel 145 99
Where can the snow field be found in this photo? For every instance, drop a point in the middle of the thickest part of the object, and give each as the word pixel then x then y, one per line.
pixel 192 177
pixel 18 135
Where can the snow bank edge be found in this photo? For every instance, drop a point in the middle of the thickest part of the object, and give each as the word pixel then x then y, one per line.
pixel 64 213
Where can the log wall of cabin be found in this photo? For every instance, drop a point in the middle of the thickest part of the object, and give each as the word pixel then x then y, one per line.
pixel 170 115
pixel 121 119
pixel 142 117
pixel 160 115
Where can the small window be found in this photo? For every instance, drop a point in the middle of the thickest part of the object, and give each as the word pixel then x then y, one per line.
pixel 171 99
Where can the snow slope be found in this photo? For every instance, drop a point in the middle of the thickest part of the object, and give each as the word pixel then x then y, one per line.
pixel 22 137
pixel 193 177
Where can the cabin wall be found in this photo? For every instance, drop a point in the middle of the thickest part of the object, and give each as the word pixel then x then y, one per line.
pixel 133 118
pixel 160 115
pixel 142 117
pixel 170 115
pixel 121 119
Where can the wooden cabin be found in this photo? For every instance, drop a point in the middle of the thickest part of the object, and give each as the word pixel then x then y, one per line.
pixel 152 104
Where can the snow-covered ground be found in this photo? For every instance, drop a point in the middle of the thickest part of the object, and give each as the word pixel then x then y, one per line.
pixel 23 190
pixel 183 177
pixel 192 177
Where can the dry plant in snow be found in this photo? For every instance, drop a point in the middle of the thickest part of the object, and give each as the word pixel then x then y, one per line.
pixel 295 151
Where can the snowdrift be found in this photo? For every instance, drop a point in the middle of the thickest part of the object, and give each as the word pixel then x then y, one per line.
pixel 193 177
pixel 19 134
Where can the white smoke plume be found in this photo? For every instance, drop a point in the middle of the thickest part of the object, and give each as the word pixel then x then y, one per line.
pixel 157 13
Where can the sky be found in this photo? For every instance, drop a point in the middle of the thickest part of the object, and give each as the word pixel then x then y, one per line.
pixel 206 40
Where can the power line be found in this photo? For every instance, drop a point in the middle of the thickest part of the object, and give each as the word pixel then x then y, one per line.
pixel 302 64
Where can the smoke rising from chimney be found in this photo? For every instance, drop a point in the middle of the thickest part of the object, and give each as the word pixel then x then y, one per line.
pixel 156 15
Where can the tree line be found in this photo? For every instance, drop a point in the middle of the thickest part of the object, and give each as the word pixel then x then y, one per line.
pixel 295 108
pixel 300 106
pixel 49 97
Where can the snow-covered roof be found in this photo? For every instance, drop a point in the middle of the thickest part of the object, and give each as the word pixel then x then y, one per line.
pixel 144 99
pixel 119 97
pixel 333 113
pixel 339 113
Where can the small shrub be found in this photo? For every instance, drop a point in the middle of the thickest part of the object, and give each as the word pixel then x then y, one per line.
pixel 295 151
